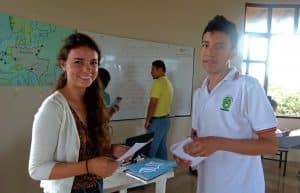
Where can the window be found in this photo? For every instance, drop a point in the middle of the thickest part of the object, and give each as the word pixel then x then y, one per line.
pixel 272 53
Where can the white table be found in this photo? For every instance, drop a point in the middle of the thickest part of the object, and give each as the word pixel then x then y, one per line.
pixel 119 181
pixel 284 144
pixel 292 141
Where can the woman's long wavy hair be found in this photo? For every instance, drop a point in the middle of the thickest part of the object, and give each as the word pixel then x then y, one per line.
pixel 97 114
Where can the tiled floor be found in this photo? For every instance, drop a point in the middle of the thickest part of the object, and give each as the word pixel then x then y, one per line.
pixel 276 183
pixel 184 182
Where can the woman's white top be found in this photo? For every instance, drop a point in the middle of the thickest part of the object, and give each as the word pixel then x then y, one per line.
pixel 54 139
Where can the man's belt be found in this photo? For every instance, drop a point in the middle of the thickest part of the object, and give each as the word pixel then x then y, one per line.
pixel 160 117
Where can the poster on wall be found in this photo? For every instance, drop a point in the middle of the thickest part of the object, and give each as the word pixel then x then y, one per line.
pixel 28 51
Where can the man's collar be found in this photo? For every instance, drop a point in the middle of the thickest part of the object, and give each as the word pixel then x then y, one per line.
pixel 232 74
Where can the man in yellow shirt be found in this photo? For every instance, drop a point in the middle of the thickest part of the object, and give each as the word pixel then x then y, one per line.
pixel 157 120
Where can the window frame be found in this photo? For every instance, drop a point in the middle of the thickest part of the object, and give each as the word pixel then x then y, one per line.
pixel 268 36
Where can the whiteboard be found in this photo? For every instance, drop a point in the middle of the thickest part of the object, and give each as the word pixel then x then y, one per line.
pixel 129 63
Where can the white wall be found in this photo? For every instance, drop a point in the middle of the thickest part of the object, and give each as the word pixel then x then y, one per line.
pixel 168 21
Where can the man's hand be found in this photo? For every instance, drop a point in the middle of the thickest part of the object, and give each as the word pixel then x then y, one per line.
pixel 202 146
pixel 114 109
pixel 147 124
pixel 151 108
pixel 182 162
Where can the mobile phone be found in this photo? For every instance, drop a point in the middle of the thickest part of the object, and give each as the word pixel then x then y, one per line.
pixel 116 101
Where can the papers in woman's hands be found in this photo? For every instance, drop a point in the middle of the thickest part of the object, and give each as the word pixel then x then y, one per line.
pixel 132 150
pixel 177 149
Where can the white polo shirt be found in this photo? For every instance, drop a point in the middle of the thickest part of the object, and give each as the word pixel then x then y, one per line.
pixel 236 108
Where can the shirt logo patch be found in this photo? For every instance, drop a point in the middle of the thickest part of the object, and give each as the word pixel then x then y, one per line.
pixel 226 104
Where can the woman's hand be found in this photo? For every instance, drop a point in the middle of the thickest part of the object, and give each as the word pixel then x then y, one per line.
pixel 102 166
pixel 119 150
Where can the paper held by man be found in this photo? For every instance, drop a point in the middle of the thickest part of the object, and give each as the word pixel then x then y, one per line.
pixel 177 149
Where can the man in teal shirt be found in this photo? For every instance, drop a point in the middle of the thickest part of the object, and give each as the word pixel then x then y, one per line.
pixel 104 77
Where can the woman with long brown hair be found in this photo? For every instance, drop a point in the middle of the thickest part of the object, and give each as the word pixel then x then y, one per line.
pixel 71 138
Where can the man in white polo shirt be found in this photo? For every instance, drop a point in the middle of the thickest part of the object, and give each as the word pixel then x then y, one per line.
pixel 232 118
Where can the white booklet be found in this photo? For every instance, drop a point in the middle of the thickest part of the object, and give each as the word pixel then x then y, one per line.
pixel 177 149
pixel 132 150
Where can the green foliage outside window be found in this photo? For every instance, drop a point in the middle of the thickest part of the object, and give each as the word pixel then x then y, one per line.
pixel 288 101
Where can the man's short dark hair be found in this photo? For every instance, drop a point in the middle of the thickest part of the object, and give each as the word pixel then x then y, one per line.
pixel 221 24
pixel 104 76
pixel 159 64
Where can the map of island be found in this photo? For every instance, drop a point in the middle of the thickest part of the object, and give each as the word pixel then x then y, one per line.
pixel 28 51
